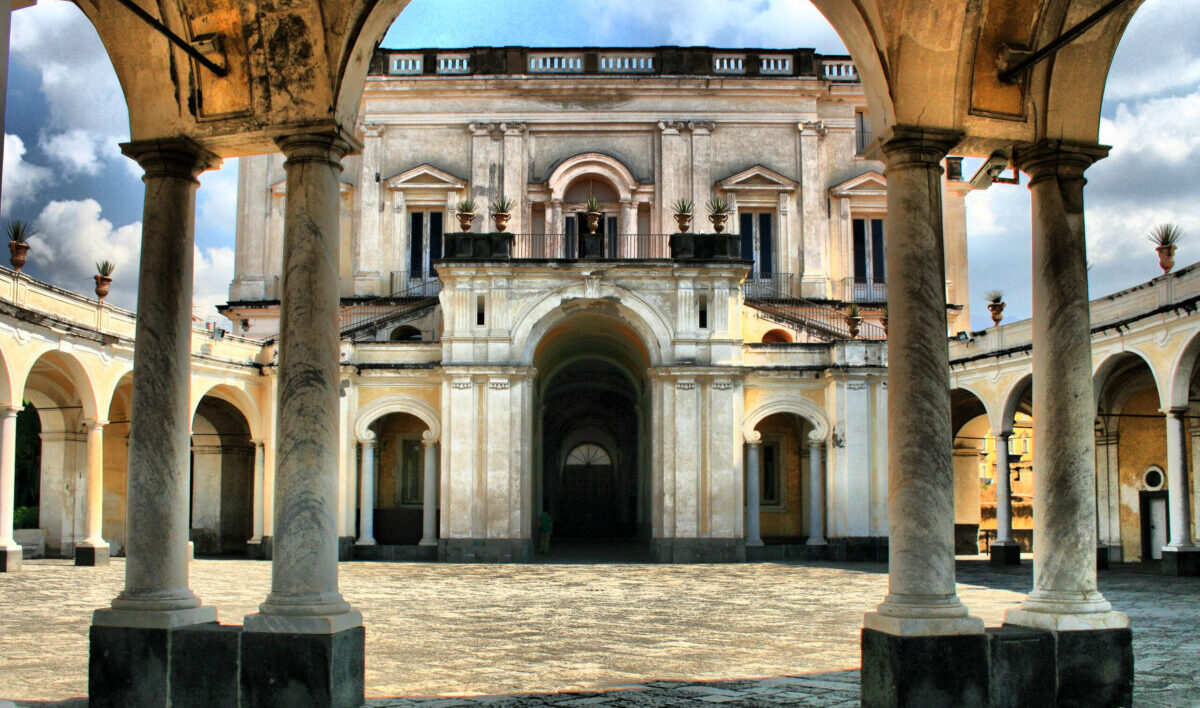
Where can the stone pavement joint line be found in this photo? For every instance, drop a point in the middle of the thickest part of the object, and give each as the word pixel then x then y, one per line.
pixel 754 634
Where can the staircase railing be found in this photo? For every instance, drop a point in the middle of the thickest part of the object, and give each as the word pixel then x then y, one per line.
pixel 363 321
pixel 824 321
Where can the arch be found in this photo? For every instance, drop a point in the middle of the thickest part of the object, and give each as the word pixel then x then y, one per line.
pixel 239 399
pixel 777 336
pixel 1012 401
pixel 1179 379
pixel 398 403
pixel 76 374
pixel 6 388
pixel 405 333
pixel 788 403
pixel 988 411
pixel 588 453
pixel 106 396
pixel 1103 373
pixel 652 326
pixel 592 164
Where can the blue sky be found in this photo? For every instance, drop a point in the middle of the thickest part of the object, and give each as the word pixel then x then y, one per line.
pixel 66 115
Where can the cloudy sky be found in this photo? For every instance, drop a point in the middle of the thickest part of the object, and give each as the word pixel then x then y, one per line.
pixel 66 114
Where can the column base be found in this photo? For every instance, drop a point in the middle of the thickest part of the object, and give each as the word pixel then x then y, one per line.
pixel 1005 553
pixel 1181 561
pixel 285 670
pixel 10 559
pixel 260 549
pixel 178 667
pixel 364 542
pixel 1066 621
pixel 485 550
pixel 345 548
pixel 943 670
pixel 1092 668
pixel 89 555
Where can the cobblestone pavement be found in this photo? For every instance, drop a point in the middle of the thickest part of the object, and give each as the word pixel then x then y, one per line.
pixel 760 634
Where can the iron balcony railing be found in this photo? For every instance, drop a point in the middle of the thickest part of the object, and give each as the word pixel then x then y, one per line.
pixel 572 246
pixel 863 290
pixel 364 320
pixel 823 321
pixel 763 286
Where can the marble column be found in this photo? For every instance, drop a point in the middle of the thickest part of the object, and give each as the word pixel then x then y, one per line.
pixel 1003 490
pixel 629 227
pixel 429 536
pixel 921 599
pixel 258 503
pixel 1177 482
pixel 304 597
pixel 1065 594
pixel 93 550
pixel 753 493
pixel 816 494
pixel 366 499
pixel 156 590
pixel 10 552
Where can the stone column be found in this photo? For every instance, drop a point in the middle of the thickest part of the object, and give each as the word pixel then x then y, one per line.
pixel 922 599
pixel 366 504
pixel 629 228
pixel 429 536
pixel 1180 556
pixel 1004 550
pixel 156 590
pixel 304 597
pixel 93 550
pixel 259 453
pixel 753 494
pixel 1065 595
pixel 816 494
pixel 10 552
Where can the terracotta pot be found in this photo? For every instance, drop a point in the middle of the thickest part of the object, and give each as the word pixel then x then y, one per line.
pixel 18 249
pixel 883 321
pixel 102 283
pixel 997 310
pixel 464 220
pixel 593 221
pixel 1166 257
pixel 684 221
pixel 718 222
pixel 853 324
pixel 501 220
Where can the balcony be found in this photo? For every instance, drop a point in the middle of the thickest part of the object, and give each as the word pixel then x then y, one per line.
pixel 863 290
pixel 510 246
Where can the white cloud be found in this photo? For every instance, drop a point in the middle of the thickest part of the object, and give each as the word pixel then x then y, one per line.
pixel 73 237
pixel 726 23
pixel 1150 61
pixel 21 179
pixel 216 204
pixel 214 270
pixel 75 150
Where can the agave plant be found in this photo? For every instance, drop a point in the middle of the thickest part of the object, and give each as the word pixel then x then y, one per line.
pixel 853 310
pixel 18 231
pixel 592 204
pixel 502 205
pixel 682 206
pixel 1165 235
pixel 717 205
pixel 106 268
pixel 466 206
pixel 994 296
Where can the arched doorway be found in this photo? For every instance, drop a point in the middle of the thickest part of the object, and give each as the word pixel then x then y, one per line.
pixel 591 436
pixel 222 504
pixel 399 452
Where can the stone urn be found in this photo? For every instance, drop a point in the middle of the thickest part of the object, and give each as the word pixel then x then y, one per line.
pixel 593 221
pixel 684 220
pixel 102 284
pixel 1166 257
pixel 997 310
pixel 18 251
pixel 501 218
pixel 718 222
pixel 853 323
pixel 465 219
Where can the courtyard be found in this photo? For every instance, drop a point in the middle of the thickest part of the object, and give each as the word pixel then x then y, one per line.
pixel 743 634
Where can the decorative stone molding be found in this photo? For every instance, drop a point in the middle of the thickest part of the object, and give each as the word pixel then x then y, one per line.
pixel 812 127
pixel 397 403
pixel 460 384
pixel 685 385
pixel 722 385
pixel 498 385
pixel 702 127
pixel 789 403
pixel 513 129
pixel 481 130
pixel 671 127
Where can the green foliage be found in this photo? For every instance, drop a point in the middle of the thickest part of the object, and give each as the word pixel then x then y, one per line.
pixel 592 204
pixel 18 231
pixel 106 268
pixel 502 205
pixel 466 206
pixel 25 517
pixel 682 206
pixel 994 296
pixel 853 311
pixel 29 457
pixel 717 206
pixel 1165 235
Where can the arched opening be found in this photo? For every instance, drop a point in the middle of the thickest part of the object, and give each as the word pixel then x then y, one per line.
pixel 1132 437
pixel 405 333
pixel 591 443
pixel 785 480
pixel 777 336
pixel 399 467
pixel 973 477
pixel 28 492
pixel 116 464
pixel 222 511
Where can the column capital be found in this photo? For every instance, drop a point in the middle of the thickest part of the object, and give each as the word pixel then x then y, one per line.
pixel 367 439
pixel 1004 434
pixel 1063 159
pixel 179 157
pixel 1176 411
pixel 258 442
pixel 910 146
pixel 753 438
pixel 95 423
pixel 429 438
pixel 10 411
pixel 328 146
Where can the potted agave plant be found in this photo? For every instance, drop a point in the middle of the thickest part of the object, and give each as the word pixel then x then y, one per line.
pixel 103 276
pixel 1165 238
pixel 465 212
pixel 593 246
pixel 501 212
pixel 718 212
pixel 683 214
pixel 18 236
pixel 853 319
pixel 593 213
pixel 995 305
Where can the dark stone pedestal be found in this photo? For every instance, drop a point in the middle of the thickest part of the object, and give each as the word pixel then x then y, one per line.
pixel 1002 554
pixel 489 550
pixel 1180 562
pixel 87 555
pixel 870 549
pixel 136 667
pixel 697 550
pixel 966 539
pixel 930 672
pixel 302 670
pixel 1020 667
pixel 345 548
pixel 10 560
pixel 1102 558
pixel 1095 668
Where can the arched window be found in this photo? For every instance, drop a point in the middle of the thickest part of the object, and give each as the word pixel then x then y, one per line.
pixel 777 336
pixel 589 454
pixel 407 333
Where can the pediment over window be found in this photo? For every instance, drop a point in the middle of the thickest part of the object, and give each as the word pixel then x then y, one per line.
pixel 868 184
pixel 757 179
pixel 425 177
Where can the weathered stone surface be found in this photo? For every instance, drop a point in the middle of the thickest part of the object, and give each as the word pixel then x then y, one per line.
pixel 302 670
pixel 1020 667
pixel 1095 668
pixel 128 667
pixel 204 666
pixel 949 671
pixel 1181 562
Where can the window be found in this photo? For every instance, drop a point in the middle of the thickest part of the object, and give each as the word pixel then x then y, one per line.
pixel 702 305
pixel 868 251
pixel 425 240
pixel 480 305
pixel 756 228
pixel 606 228
pixel 410 478
pixel 771 473
pixel 862 131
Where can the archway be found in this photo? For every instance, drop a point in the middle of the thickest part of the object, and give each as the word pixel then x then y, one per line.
pixel 591 441
pixel 785 478
pixel 399 492
pixel 222 511
pixel 116 463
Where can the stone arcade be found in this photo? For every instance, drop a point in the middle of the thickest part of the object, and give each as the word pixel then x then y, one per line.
pixel 291 80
